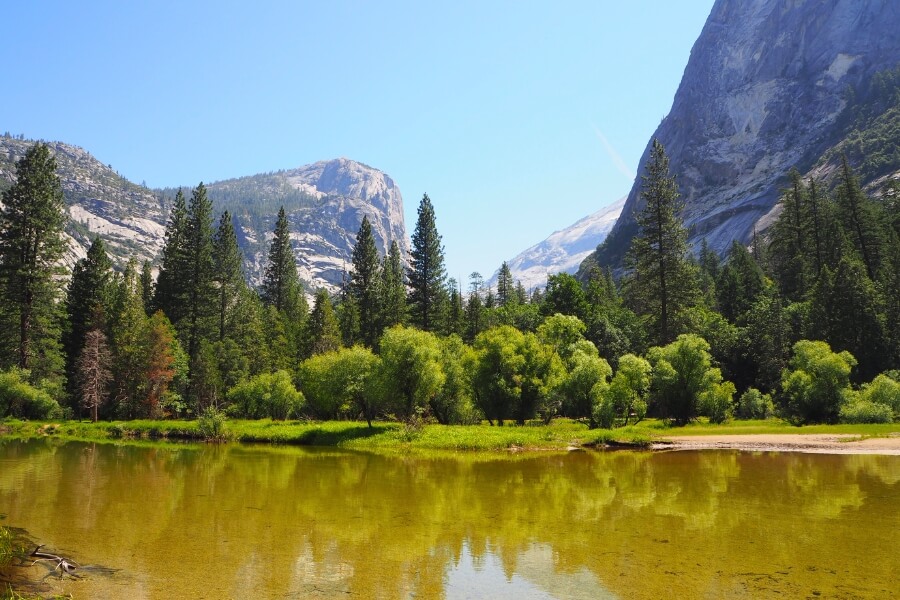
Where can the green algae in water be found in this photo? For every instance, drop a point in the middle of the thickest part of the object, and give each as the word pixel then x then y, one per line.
pixel 236 521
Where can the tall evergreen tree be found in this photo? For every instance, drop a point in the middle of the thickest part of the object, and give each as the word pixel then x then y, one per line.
pixel 505 291
pixel 323 330
pixel 365 283
pixel 146 283
pixel 201 299
pixel 789 250
pixel 228 275
pixel 740 283
pixel 392 289
pixel 859 217
pixel 426 272
pixel 31 244
pixel 281 282
pixel 845 312
pixel 171 286
pixel 88 299
pixel 663 281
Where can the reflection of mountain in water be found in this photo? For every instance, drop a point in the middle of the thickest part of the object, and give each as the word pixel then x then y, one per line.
pixel 535 578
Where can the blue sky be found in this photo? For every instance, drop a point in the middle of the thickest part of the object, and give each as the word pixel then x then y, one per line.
pixel 517 118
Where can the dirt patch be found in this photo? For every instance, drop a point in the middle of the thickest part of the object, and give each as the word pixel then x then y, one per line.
pixel 813 443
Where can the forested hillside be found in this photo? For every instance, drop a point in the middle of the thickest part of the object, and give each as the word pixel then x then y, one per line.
pixel 804 323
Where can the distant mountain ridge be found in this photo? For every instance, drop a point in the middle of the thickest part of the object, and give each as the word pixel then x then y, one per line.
pixel 325 203
pixel 564 250
pixel 770 85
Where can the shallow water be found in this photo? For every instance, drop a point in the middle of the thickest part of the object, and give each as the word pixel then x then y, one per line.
pixel 234 521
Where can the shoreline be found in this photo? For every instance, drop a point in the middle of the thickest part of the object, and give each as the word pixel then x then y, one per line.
pixel 811 443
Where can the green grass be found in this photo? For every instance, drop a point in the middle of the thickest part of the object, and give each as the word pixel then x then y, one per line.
pixel 534 436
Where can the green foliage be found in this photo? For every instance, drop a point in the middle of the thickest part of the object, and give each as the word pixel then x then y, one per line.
pixel 323 332
pixel 426 272
pixel 682 374
pixel 211 425
pixel 392 290
pixel 411 372
pixel 883 390
pixel 753 404
pixel 18 398
pixel 860 410
pixel 586 382
pixel 717 402
pixel 271 395
pixel 364 283
pixel 516 376
pixel 343 382
pixel 454 403
pixel 564 295
pixel 31 246
pixel 281 281
pixel 739 284
pixel 818 383
pixel 626 395
pixel 663 282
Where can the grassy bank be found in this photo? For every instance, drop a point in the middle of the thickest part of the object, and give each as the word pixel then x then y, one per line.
pixel 561 434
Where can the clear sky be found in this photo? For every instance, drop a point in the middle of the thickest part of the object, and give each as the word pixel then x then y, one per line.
pixel 517 118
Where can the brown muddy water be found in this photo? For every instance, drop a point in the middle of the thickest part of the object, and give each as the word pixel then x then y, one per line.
pixel 234 521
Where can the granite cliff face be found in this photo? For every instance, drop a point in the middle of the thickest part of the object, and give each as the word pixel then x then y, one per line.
pixel 564 250
pixel 765 90
pixel 130 218
pixel 325 203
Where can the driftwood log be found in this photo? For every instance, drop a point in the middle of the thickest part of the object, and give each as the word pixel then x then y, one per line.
pixel 64 565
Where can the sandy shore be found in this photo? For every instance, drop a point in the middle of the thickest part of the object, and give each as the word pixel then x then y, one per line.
pixel 814 443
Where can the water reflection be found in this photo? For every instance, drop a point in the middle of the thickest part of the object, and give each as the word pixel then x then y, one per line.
pixel 220 521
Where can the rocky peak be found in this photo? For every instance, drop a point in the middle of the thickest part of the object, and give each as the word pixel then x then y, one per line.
pixel 763 91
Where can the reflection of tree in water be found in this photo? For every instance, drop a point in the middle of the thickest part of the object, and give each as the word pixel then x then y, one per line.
pixel 296 523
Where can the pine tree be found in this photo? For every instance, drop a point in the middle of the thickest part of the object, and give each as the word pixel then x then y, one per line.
pixel 505 292
pixel 171 287
pixel 740 283
pixel 859 217
pixel 31 245
pixel 789 252
pixel 228 274
pixel 392 289
pixel 281 282
pixel 426 272
pixel 845 312
pixel 88 300
pixel 324 333
pixel 456 317
pixel 93 372
pixel 128 325
pixel 365 282
pixel 146 283
pixel 200 322
pixel 663 281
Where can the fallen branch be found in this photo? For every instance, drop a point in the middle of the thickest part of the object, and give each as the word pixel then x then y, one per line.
pixel 63 564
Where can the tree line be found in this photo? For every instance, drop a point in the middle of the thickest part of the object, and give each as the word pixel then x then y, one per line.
pixel 804 323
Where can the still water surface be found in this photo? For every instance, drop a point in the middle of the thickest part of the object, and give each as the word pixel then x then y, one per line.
pixel 235 521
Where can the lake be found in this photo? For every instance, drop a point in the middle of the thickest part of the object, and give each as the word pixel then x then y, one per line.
pixel 235 521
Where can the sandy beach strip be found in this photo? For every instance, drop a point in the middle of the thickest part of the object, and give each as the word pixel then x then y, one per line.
pixel 787 442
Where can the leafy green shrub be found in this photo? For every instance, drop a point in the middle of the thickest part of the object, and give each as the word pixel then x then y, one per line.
pixel 717 402
pixel 211 424
pixel 753 404
pixel 267 395
pixel 20 399
pixel 818 385
pixel 865 411
pixel 604 411
pixel 884 391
